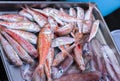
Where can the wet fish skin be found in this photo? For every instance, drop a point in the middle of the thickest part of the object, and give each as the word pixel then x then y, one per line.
pixel 44 43
pixel 62 41
pixel 59 70
pixel 24 43
pixel 10 52
pixel 38 17
pixel 96 76
pixel 26 14
pixel 19 50
pixel 64 30
pixel 13 17
pixel 48 64
pixel 23 25
pixel 32 38
pixel 79 57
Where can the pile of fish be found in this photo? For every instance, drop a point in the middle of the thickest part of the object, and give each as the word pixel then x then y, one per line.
pixel 58 44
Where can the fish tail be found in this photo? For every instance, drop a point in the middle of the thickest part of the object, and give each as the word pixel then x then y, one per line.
pixel 39 74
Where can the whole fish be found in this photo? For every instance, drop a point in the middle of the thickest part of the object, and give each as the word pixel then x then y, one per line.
pixel 20 51
pixel 38 17
pixel 48 64
pixel 94 30
pixel 26 14
pixel 44 43
pixel 59 41
pixel 64 30
pixel 89 17
pixel 32 38
pixel 95 47
pixel 80 15
pixel 24 25
pixel 89 76
pixel 108 65
pixel 79 57
pixel 10 52
pixel 112 60
pixel 24 43
pixel 12 17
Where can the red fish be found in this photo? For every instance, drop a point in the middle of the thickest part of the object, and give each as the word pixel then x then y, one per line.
pixel 24 43
pixel 44 44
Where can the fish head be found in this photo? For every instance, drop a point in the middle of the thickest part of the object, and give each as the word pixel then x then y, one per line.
pixel 57 72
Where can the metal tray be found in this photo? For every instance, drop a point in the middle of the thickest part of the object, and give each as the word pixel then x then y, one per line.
pixel 103 34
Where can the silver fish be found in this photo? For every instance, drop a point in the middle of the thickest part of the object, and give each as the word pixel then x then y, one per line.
pixel 10 52
pixel 62 41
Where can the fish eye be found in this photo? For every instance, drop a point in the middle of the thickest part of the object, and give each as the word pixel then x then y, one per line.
pixel 61 71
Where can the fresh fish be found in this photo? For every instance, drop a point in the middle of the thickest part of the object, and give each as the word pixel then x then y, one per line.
pixel 62 41
pixel 112 59
pixel 26 14
pixel 64 30
pixel 79 57
pixel 24 25
pixel 48 10
pixel 38 17
pixel 89 17
pixel 96 46
pixel 20 51
pixel 24 43
pixel 89 76
pixel 80 15
pixel 48 64
pixel 89 14
pixel 44 43
pixel 94 30
pixel 12 17
pixel 62 16
pixel 108 65
pixel 32 38
pixel 10 52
